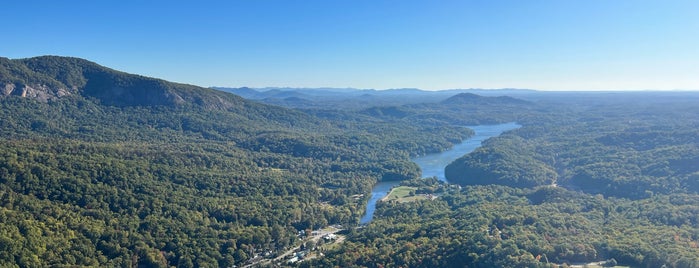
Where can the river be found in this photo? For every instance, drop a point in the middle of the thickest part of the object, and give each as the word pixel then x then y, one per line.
pixel 432 165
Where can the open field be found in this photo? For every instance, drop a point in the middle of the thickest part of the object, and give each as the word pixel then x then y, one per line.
pixel 399 193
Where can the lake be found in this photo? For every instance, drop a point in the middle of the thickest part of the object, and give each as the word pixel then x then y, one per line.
pixel 432 165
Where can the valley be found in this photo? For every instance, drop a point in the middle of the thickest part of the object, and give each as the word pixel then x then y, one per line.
pixel 104 168
pixel 432 165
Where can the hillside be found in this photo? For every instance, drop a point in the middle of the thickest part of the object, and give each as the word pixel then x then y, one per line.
pixel 52 77
pixel 104 168
pixel 350 99
pixel 107 169
pixel 612 178
pixel 460 109
pixel 473 99
pixel 633 148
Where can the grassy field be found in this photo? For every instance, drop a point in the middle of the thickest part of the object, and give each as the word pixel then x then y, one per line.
pixel 399 193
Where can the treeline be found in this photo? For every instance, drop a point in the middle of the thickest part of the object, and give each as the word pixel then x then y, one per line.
pixel 461 110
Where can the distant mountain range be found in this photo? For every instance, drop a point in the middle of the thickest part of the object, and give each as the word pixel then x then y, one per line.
pixel 47 78
pixel 351 98
pixel 276 92
pixel 470 98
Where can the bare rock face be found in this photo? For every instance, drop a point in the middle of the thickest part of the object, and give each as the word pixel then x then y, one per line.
pixel 7 89
pixel 41 93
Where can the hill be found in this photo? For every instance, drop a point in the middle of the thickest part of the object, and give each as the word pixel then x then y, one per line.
pixel 52 77
pixel 470 98
pixel 610 178
pixel 631 147
pixel 104 168
pixel 357 99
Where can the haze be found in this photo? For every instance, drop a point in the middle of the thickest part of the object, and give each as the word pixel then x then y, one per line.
pixel 546 45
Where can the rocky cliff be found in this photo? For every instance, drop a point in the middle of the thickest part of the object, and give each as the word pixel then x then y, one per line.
pixel 48 78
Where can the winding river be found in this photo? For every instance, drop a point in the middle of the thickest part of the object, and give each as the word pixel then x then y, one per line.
pixel 433 165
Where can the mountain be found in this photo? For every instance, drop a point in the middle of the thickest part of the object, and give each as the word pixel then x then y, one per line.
pixel 460 109
pixel 471 99
pixel 280 93
pixel 357 99
pixel 244 92
pixel 100 168
pixel 103 168
pixel 51 77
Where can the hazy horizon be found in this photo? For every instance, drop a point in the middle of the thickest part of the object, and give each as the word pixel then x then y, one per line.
pixel 544 45
pixel 453 89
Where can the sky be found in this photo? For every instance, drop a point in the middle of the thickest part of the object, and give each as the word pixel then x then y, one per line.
pixel 432 45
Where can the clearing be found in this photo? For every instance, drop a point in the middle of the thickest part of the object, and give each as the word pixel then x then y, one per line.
pixel 406 194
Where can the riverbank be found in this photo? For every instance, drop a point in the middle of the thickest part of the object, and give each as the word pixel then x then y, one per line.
pixel 433 165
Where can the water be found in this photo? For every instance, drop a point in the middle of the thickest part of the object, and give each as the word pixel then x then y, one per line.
pixel 379 191
pixel 433 165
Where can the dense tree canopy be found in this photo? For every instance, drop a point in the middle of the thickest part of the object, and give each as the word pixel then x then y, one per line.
pixel 103 168
pixel 577 183
pixel 90 180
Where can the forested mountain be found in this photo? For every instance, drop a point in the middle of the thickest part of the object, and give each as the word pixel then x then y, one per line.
pixel 51 77
pixel 104 168
pixel 632 148
pixel 350 99
pixel 470 98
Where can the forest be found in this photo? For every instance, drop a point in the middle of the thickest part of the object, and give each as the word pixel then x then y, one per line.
pixel 90 181
pixel 104 168
pixel 588 183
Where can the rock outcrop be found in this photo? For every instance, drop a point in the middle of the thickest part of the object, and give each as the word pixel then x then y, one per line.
pixel 49 78
pixel 42 93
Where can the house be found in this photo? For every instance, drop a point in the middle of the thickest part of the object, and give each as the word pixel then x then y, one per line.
pixel 330 237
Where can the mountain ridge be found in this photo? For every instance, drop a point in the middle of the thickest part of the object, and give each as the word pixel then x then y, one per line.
pixel 188 174
pixel 47 78
pixel 470 98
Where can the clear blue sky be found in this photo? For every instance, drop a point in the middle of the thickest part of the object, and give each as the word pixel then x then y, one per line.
pixel 547 45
